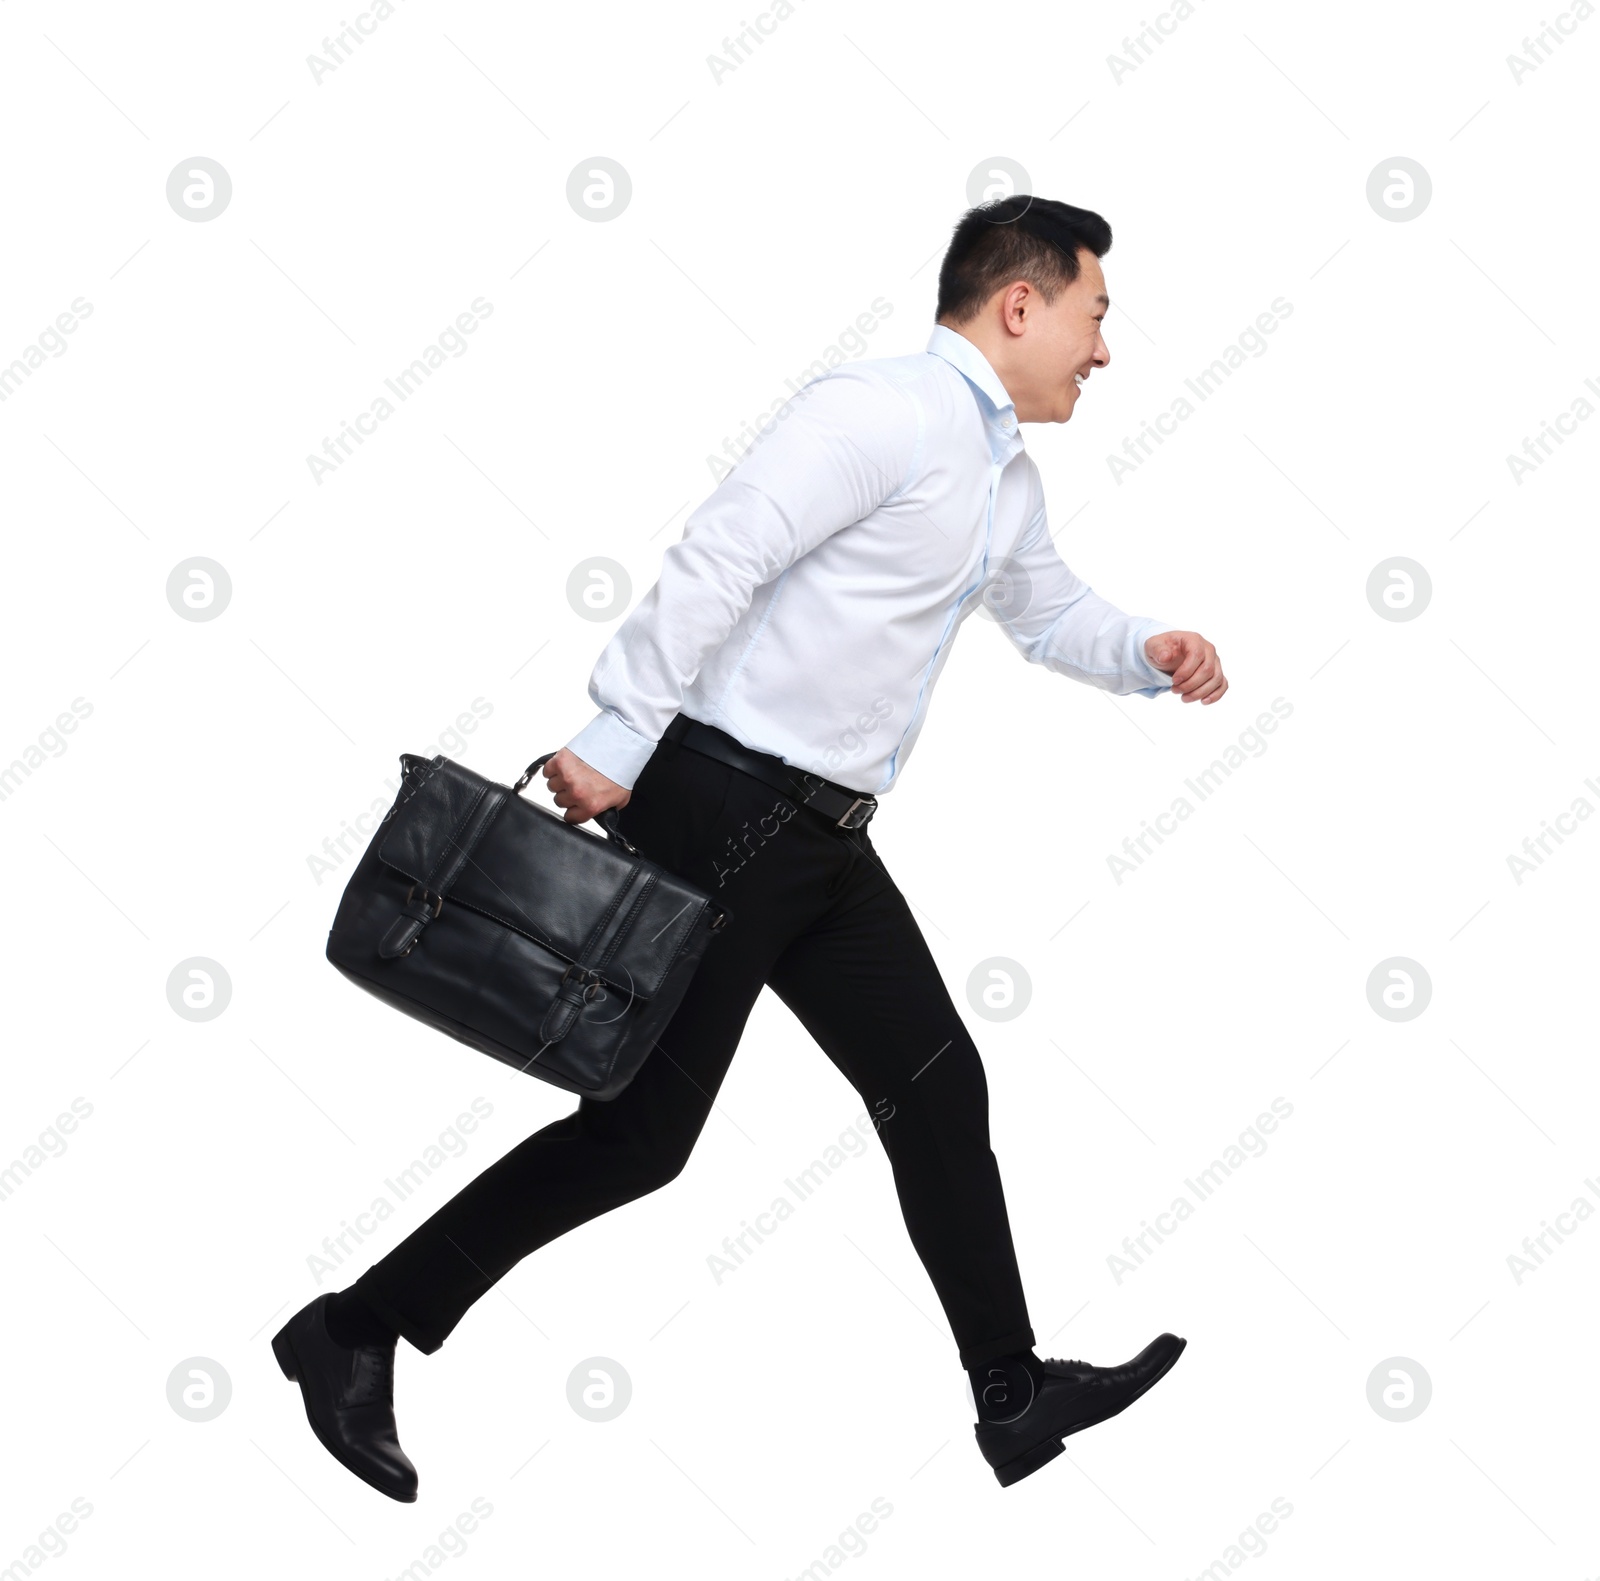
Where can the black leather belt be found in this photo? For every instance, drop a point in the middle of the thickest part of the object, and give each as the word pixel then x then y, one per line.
pixel 841 806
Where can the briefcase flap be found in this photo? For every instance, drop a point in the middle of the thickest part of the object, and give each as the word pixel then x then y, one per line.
pixel 539 876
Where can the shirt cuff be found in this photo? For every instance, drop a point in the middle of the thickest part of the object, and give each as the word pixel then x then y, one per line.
pixel 616 750
pixel 1163 678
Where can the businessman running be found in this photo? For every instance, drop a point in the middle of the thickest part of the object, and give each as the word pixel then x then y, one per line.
pixel 751 710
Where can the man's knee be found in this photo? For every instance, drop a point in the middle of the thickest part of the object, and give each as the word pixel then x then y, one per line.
pixel 639 1169
pixel 639 1154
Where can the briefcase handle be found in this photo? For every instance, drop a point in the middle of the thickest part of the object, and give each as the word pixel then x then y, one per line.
pixel 607 819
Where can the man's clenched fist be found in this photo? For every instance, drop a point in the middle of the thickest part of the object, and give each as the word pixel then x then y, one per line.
pixel 1192 663
pixel 583 791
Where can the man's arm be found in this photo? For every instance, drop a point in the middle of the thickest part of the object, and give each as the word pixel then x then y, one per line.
pixel 1056 619
pixel 845 446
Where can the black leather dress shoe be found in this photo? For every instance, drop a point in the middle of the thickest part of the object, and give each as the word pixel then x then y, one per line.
pixel 349 1397
pixel 1068 1397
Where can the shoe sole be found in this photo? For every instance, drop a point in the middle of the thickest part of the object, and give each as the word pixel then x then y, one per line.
pixel 283 1349
pixel 1030 1460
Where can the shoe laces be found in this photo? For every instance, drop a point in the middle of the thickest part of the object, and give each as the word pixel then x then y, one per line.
pixel 375 1372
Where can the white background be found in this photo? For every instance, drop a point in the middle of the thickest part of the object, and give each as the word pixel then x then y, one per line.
pixel 1167 1011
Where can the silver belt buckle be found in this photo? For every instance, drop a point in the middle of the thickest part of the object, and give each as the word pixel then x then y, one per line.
pixel 848 819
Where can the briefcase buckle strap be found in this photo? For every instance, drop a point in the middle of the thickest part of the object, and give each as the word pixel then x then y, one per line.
pixel 579 985
pixel 592 984
pixel 427 895
pixel 416 912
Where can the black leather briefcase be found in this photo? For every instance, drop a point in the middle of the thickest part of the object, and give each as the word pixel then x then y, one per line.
pixel 557 950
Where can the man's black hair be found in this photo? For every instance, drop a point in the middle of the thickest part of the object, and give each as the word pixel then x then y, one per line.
pixel 1017 238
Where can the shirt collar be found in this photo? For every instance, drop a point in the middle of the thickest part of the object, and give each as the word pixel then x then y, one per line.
pixel 966 359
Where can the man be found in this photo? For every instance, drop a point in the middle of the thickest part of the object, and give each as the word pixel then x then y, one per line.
pixel 751 709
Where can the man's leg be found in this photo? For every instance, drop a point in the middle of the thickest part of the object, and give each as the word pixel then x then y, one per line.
pixel 685 811
pixel 574 1169
pixel 862 982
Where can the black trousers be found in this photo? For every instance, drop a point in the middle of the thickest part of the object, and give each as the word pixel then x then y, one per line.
pixel 816 918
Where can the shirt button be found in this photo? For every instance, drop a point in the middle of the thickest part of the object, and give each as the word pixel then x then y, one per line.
pixel 1005 422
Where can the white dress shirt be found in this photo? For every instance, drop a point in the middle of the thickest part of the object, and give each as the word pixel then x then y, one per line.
pixel 812 601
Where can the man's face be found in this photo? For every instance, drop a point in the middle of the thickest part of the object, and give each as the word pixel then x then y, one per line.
pixel 1062 344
